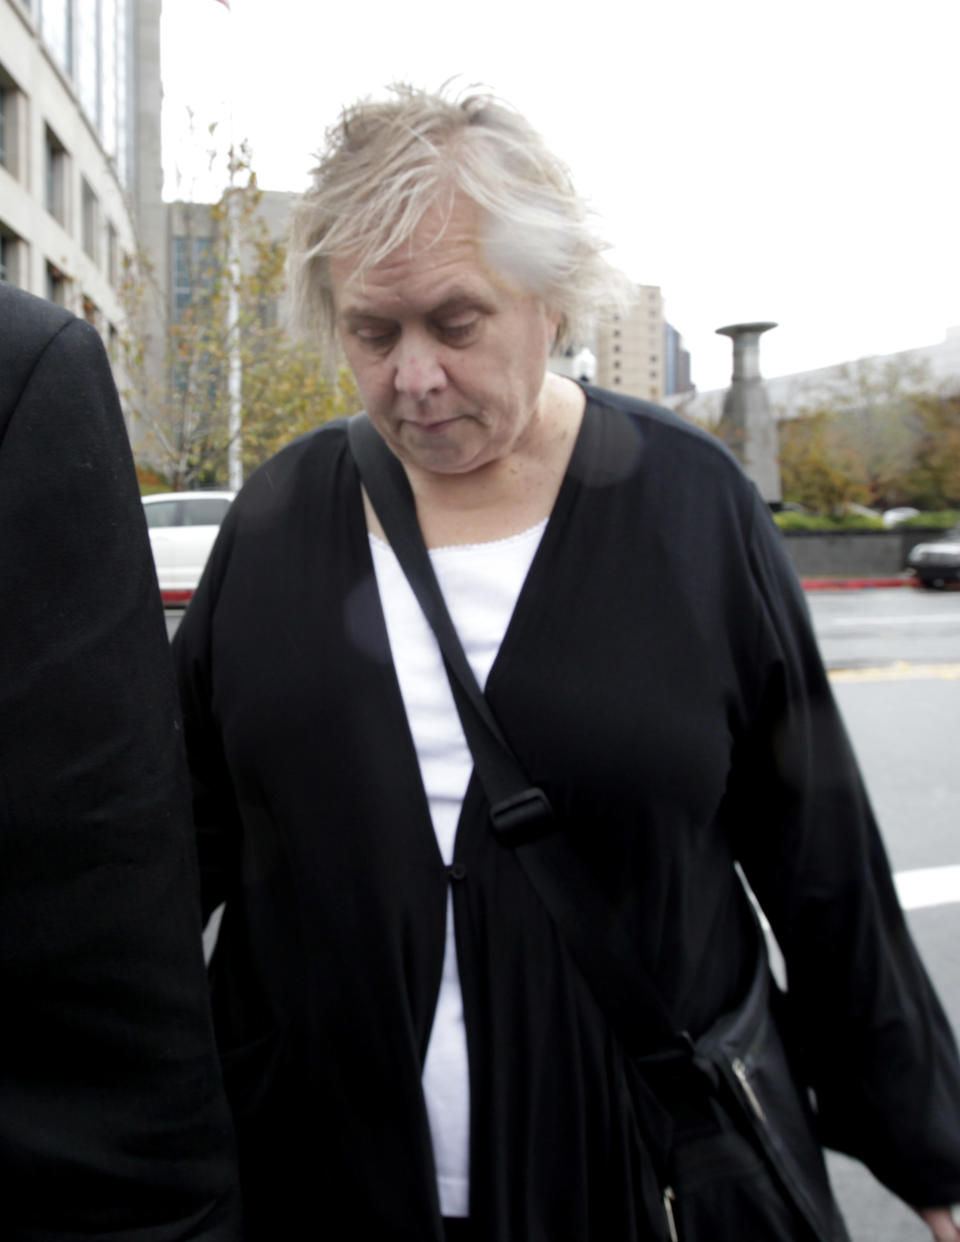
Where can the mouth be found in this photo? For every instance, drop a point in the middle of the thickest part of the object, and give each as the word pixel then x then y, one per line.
pixel 436 427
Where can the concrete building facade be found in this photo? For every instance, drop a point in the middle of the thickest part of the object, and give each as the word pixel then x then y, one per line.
pixel 789 395
pixel 630 348
pixel 80 162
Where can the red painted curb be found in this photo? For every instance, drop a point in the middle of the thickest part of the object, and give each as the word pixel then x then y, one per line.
pixel 854 584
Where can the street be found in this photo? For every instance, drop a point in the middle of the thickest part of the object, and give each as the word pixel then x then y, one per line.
pixel 894 661
pixel 894 657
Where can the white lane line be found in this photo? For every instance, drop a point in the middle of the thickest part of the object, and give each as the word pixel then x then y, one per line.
pixel 928 886
pixel 924 618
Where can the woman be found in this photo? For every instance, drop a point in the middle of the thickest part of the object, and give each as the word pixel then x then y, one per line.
pixel 410 1051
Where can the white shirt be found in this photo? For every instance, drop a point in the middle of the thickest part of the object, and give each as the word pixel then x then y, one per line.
pixel 480 583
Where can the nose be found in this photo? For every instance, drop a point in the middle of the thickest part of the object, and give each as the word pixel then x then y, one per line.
pixel 419 372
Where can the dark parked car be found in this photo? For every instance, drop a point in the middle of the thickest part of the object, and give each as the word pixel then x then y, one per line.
pixel 938 563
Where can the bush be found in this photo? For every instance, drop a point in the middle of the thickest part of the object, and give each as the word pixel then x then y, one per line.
pixel 817 521
pixel 939 519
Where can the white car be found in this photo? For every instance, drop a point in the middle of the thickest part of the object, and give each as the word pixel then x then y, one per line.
pixel 182 528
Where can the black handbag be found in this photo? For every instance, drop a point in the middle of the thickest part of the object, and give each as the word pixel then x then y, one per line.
pixel 760 1173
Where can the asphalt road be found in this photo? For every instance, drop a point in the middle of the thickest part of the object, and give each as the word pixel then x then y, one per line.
pixel 894 658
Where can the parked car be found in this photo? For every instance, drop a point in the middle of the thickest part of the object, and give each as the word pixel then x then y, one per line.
pixel 893 517
pixel 182 528
pixel 937 563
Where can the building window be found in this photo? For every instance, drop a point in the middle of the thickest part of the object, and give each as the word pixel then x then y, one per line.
pixel 11 101
pixel 91 312
pixel 88 54
pixel 10 245
pixel 56 286
pixel 113 256
pixel 55 154
pixel 91 221
pixel 192 271
pixel 56 29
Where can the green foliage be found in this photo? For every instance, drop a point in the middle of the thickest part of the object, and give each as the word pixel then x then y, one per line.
pixel 229 285
pixel 937 519
pixel 882 438
pixel 788 521
pixel 933 478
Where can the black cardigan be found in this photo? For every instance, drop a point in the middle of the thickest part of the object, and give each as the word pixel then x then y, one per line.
pixel 660 680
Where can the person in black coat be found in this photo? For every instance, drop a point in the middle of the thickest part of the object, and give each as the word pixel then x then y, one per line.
pixel 113 1123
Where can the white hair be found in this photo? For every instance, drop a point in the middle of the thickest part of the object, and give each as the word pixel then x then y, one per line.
pixel 387 163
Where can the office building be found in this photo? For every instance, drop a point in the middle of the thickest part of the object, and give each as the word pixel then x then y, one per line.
pixel 630 348
pixel 80 168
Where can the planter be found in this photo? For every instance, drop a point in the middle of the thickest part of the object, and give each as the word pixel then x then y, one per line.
pixel 866 553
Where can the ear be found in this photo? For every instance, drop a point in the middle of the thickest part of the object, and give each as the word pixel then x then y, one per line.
pixel 557 322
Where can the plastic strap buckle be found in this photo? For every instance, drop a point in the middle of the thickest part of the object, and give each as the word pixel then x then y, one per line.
pixel 520 810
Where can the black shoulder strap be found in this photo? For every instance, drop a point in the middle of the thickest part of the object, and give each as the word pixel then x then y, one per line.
pixel 520 813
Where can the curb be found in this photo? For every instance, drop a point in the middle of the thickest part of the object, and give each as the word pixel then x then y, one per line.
pixel 854 584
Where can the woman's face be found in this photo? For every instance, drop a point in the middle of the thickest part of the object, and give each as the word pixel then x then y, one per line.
pixel 449 358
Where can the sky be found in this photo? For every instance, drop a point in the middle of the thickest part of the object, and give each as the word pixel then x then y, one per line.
pixel 756 160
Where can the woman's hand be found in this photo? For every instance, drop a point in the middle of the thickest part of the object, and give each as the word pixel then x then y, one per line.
pixel 941 1224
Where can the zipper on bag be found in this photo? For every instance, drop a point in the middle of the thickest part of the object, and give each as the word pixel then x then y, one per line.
pixel 668 1201
pixel 741 1072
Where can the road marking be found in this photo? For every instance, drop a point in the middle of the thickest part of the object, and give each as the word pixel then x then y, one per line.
pixel 923 618
pixel 928 886
pixel 901 670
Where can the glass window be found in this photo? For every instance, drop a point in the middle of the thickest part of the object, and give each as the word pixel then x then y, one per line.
pixel 88 59
pixel 109 62
pixel 55 187
pixel 192 270
pixel 91 221
pixel 204 510
pixel 115 71
pixel 113 255
pixel 56 27
pixel 56 285
pixel 11 119
pixel 162 513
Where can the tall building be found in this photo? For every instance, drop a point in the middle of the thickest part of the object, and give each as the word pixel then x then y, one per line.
pixel 80 167
pixel 676 363
pixel 631 348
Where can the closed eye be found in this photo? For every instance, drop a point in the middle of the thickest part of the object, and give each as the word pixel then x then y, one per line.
pixel 376 337
pixel 456 333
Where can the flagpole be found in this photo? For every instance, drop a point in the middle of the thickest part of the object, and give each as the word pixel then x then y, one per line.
pixel 235 362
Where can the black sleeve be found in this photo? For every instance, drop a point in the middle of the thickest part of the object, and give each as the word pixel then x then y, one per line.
pixel 113 1123
pixel 877 1046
